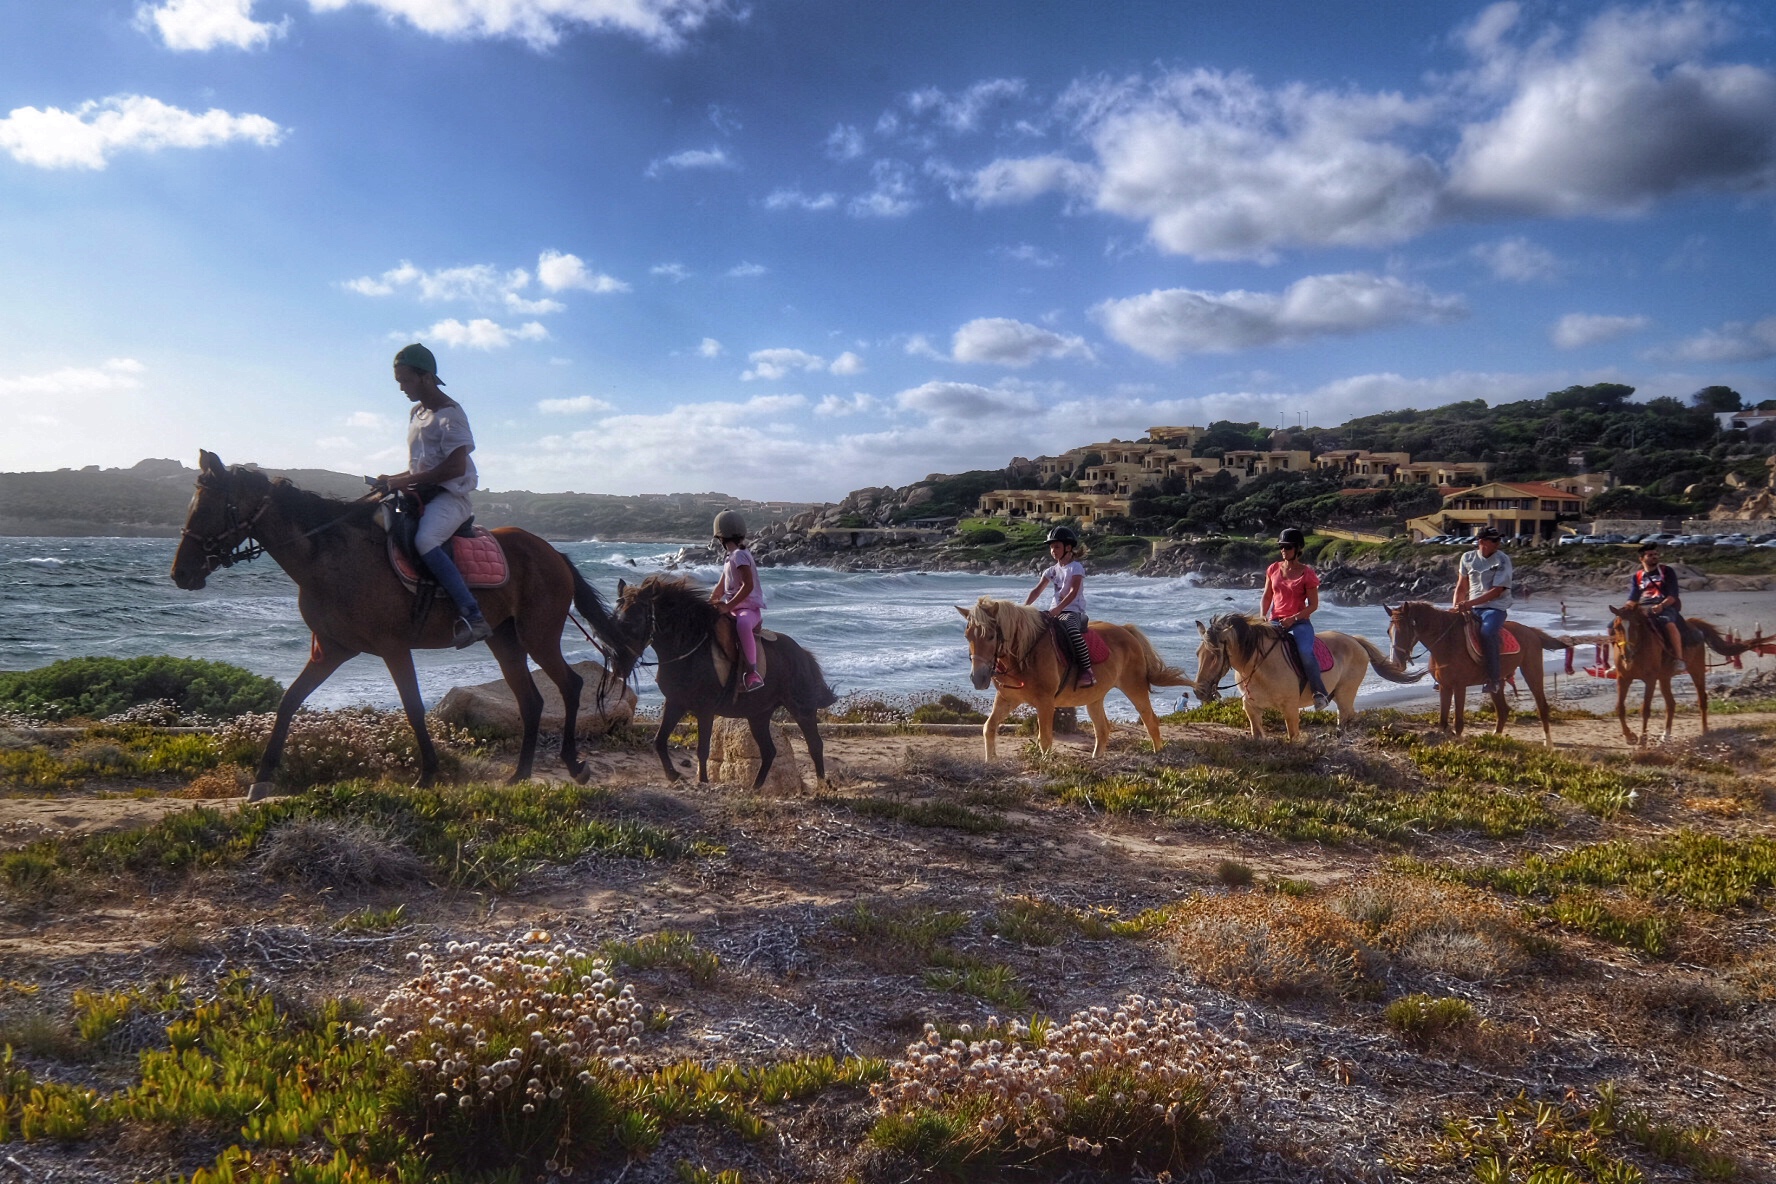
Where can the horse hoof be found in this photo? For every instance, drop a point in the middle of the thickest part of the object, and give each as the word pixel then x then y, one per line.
pixel 260 790
pixel 582 774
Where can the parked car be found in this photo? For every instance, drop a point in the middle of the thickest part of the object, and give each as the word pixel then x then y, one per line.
pixel 1659 538
pixel 1682 540
pixel 1757 540
pixel 1767 545
pixel 1732 540
pixel 1568 540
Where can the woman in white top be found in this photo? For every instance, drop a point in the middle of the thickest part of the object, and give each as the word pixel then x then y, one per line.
pixel 1066 579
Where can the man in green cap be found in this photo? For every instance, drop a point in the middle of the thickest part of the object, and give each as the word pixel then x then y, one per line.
pixel 442 475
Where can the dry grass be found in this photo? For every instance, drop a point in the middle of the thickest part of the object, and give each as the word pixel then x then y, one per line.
pixel 1276 947
pixel 326 853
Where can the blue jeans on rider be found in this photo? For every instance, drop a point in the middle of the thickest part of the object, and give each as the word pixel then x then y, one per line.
pixel 443 569
pixel 1492 620
pixel 1303 633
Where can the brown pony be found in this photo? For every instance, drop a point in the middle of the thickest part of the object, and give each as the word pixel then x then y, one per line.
pixel 1642 656
pixel 1010 647
pixel 1252 649
pixel 355 604
pixel 1441 632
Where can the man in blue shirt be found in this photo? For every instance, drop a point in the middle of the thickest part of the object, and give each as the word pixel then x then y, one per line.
pixel 1654 588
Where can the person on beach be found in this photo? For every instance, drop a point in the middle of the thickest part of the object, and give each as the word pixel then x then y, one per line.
pixel 738 594
pixel 1483 588
pixel 1066 580
pixel 1653 586
pixel 1291 597
pixel 441 475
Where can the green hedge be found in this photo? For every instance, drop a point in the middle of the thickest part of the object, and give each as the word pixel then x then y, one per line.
pixel 98 687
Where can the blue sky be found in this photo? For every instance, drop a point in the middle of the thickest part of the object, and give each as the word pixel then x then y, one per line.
pixel 788 248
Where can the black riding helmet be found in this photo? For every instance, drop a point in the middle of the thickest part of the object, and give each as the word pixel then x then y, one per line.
pixel 1291 537
pixel 1063 534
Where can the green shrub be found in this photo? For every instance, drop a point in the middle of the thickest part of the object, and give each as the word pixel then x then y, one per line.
pixel 1421 1018
pixel 98 687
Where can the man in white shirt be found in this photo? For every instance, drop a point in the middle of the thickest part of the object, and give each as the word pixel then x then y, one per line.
pixel 1483 586
pixel 438 447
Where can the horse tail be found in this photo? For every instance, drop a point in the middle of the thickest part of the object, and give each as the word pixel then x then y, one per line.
pixel 1728 647
pixel 1159 674
pixel 808 691
pixel 591 605
pixel 1382 664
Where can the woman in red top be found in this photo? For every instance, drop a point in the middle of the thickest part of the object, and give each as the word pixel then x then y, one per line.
pixel 1291 596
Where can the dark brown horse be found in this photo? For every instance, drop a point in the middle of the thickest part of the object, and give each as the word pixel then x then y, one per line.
pixel 1642 656
pixel 354 603
pixel 677 620
pixel 1455 669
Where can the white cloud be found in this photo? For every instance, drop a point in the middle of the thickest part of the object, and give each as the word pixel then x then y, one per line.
pixel 578 405
pixel 1001 341
pixel 835 406
pixel 558 272
pixel 846 364
pixel 1630 114
pixel 88 136
pixel 478 283
pixel 844 142
pixel 482 333
pixel 1735 341
pixel 1166 323
pixel 1517 259
pixel 117 374
pixel 795 199
pixel 368 419
pixel 542 23
pixel 965 400
pixel 1029 253
pixel 743 271
pixel 1576 330
pixel 891 198
pixel 919 346
pixel 709 347
pixel 773 364
pixel 691 159
pixel 206 24
pixel 1006 181
pixel 962 112
pixel 671 271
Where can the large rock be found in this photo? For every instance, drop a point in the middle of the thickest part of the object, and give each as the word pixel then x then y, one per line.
pixel 491 707
pixel 734 757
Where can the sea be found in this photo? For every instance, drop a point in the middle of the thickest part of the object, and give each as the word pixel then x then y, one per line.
pixel 894 635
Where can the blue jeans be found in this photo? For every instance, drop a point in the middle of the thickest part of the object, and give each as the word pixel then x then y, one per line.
pixel 1303 633
pixel 1492 620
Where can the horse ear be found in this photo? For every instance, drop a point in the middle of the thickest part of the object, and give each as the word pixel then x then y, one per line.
pixel 1389 609
pixel 963 611
pixel 1200 629
pixel 209 464
pixel 620 586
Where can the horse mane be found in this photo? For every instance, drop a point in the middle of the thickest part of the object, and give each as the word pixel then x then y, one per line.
pixel 676 601
pixel 1240 626
pixel 1019 626
pixel 306 509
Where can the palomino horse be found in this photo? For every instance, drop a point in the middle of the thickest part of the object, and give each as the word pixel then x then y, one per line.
pixel 355 604
pixel 1455 669
pixel 1010 647
pixel 1253 650
pixel 1642 656
pixel 679 622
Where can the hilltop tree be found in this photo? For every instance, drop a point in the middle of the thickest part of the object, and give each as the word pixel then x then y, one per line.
pixel 1714 399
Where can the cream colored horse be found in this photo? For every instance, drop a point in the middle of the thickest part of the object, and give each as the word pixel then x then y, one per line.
pixel 1010 647
pixel 1254 652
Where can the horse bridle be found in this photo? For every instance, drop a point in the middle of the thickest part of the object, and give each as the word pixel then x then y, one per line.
pixel 1424 641
pixel 220 549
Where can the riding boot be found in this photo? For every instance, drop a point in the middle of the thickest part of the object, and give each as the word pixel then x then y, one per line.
pixel 473 626
pixel 1082 655
pixel 1321 695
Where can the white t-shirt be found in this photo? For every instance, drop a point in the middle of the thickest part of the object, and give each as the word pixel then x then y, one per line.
pixel 731 579
pixel 1483 575
pixel 1060 577
pixel 434 435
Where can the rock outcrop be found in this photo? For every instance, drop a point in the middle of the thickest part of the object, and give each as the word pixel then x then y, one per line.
pixel 734 757
pixel 490 707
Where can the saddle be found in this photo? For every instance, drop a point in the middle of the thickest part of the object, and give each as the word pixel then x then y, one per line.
pixel 1477 649
pixel 1688 635
pixel 475 551
pixel 1095 645
pixel 726 649
pixel 1322 654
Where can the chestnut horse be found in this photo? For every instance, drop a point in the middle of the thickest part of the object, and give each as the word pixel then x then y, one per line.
pixel 1642 656
pixel 1441 632
pixel 355 604
pixel 1010 647
pixel 1252 649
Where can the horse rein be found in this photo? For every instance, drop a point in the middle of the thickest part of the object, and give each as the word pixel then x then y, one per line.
pixel 221 551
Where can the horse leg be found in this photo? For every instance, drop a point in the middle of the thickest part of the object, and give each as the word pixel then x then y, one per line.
pixel 809 723
pixel 1699 675
pixel 1143 701
pixel 400 668
pixel 1254 713
pixel 567 680
pixel 705 728
pixel 767 746
pixel 990 729
pixel 510 655
pixel 1045 723
pixel 1623 687
pixel 1445 695
pixel 1100 726
pixel 324 657
pixel 1670 709
pixel 1500 711
pixel 670 714
pixel 1460 695
pixel 1646 711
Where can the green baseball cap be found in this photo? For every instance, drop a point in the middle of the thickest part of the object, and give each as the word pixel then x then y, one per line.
pixel 420 358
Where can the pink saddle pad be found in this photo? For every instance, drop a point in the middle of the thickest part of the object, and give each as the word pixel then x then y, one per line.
pixel 1322 654
pixel 479 558
pixel 1095 645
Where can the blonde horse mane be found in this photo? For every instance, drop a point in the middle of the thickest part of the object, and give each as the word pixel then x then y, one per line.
pixel 1017 626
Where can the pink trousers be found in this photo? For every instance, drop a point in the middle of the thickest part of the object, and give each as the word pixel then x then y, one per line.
pixel 746 623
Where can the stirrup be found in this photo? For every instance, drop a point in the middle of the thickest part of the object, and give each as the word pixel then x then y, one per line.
pixel 751 682
pixel 1087 679
pixel 466 632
